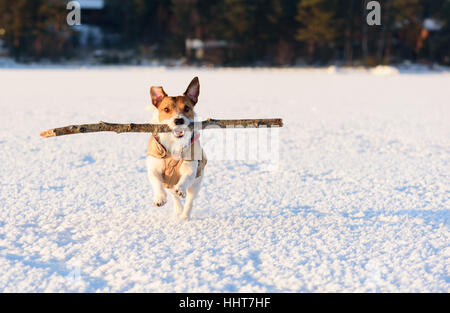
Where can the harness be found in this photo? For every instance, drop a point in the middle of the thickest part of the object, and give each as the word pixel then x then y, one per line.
pixel 171 168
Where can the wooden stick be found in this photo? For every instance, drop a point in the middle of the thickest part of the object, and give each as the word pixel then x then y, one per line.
pixel 156 128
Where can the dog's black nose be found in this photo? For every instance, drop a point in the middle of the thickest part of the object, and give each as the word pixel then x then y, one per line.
pixel 179 121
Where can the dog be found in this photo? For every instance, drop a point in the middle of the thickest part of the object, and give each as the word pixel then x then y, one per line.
pixel 176 160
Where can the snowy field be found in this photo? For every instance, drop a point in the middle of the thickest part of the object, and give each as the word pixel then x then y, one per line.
pixel 359 200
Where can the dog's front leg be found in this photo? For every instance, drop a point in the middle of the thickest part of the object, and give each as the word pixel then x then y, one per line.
pixel 154 168
pixel 188 170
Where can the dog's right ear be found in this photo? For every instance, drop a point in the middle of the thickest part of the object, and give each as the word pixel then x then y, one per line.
pixel 157 94
pixel 193 90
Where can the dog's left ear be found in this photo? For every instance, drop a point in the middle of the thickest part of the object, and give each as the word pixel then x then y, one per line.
pixel 157 94
pixel 193 90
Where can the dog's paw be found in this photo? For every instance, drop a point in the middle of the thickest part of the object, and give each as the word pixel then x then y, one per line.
pixel 179 191
pixel 159 201
pixel 184 217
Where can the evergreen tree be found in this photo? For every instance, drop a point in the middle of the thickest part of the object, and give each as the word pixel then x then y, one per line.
pixel 35 28
pixel 439 41
pixel 318 24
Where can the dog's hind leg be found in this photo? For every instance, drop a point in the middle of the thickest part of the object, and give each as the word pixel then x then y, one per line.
pixel 177 202
pixel 192 192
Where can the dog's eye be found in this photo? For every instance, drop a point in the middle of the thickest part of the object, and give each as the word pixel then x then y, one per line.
pixel 166 110
pixel 186 109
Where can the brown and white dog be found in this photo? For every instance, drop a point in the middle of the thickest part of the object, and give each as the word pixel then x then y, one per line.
pixel 175 160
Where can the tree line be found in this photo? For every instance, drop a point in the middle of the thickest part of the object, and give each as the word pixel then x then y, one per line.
pixel 266 32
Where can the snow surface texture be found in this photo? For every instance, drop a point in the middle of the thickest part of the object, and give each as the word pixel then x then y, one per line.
pixel 358 201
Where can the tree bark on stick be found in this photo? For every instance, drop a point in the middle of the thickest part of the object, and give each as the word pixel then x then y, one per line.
pixel 157 128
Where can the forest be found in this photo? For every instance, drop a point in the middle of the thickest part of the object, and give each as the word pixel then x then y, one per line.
pixel 236 32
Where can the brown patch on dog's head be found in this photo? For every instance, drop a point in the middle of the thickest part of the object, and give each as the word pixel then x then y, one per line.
pixel 180 105
pixel 171 106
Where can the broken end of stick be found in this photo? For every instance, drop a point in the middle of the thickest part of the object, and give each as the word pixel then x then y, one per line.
pixel 48 133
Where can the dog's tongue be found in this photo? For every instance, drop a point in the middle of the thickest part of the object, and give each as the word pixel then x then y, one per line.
pixel 178 131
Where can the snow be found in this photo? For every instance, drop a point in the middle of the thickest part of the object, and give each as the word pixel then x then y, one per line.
pixel 383 70
pixel 357 202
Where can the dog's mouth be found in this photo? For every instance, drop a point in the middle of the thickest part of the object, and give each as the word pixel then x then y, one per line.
pixel 178 132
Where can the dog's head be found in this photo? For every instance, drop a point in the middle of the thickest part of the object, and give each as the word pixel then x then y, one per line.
pixel 177 112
